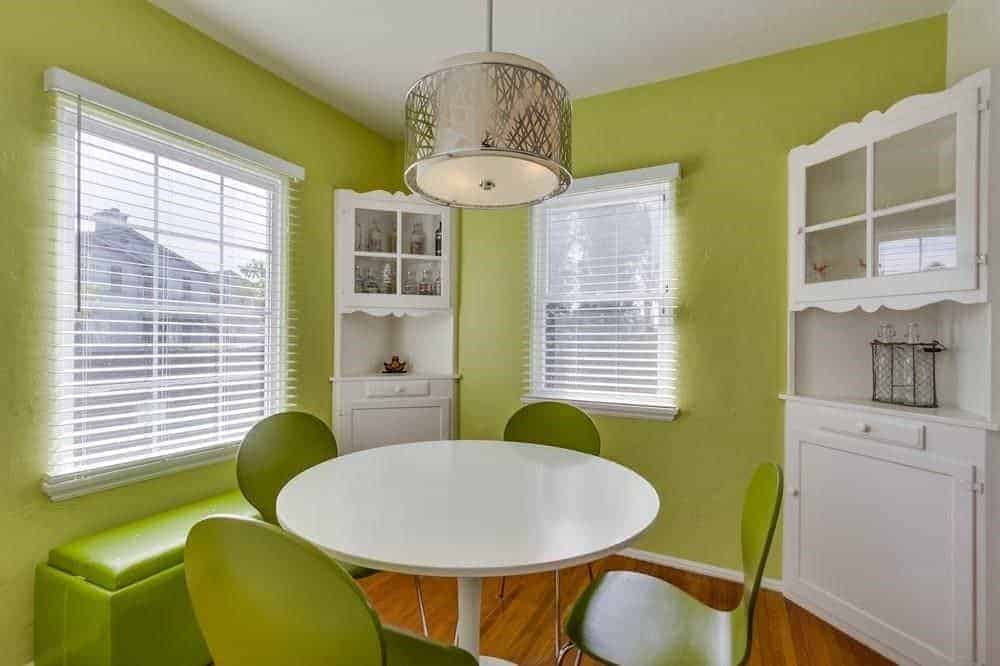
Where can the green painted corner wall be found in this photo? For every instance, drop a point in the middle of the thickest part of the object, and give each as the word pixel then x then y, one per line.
pixel 143 52
pixel 730 129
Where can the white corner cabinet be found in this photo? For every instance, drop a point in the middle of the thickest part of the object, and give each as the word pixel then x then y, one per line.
pixel 393 293
pixel 892 513
pixel 887 211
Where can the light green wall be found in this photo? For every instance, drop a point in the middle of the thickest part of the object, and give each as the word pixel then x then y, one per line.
pixel 730 129
pixel 137 49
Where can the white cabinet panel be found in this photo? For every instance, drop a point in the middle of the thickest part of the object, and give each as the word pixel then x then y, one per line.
pixel 882 538
pixel 381 422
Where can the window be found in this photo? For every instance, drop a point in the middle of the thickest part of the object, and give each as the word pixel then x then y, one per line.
pixel 171 322
pixel 603 289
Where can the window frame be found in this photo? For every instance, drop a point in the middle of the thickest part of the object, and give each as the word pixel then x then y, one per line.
pixel 662 174
pixel 142 127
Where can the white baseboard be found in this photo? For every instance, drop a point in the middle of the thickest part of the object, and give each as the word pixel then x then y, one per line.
pixel 696 567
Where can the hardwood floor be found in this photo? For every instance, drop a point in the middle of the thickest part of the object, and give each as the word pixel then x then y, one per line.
pixel 520 628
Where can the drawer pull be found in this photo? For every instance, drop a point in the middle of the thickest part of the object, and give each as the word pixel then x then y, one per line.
pixel 864 428
pixel 397 389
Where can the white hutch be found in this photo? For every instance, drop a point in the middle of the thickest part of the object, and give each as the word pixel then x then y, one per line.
pixel 393 295
pixel 892 516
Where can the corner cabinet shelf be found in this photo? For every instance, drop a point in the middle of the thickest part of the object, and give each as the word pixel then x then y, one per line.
pixel 892 513
pixel 887 212
pixel 393 291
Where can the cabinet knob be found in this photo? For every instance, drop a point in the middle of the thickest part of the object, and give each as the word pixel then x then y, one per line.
pixel 795 492
pixel 864 427
pixel 397 389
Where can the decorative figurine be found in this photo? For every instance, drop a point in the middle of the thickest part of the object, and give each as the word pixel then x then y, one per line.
pixel 394 366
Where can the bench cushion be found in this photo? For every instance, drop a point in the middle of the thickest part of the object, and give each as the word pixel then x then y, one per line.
pixel 121 556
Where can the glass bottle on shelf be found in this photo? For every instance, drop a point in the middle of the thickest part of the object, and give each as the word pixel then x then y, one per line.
pixel 437 285
pixel 913 333
pixel 386 285
pixel 418 240
pixel 410 285
pixel 359 280
pixel 425 281
pixel 371 285
pixel 376 238
pixel 437 241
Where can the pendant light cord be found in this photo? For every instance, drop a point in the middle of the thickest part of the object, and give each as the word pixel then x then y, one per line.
pixel 489 25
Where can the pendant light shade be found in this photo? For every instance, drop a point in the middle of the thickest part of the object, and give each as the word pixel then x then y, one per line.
pixel 488 130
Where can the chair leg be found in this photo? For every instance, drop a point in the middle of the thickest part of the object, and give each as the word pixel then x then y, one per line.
pixel 503 583
pixel 579 658
pixel 590 571
pixel 420 605
pixel 563 651
pixel 558 631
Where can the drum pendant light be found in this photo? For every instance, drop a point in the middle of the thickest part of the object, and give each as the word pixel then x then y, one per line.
pixel 488 130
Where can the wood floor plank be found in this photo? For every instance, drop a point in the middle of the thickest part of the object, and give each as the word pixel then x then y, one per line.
pixel 520 628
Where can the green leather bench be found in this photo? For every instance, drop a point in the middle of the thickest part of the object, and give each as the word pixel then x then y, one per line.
pixel 118 598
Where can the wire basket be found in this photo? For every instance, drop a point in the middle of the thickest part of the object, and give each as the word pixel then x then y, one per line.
pixel 904 373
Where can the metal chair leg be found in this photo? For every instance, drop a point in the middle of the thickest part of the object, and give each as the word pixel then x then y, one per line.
pixel 579 658
pixel 503 583
pixel 563 651
pixel 558 630
pixel 420 605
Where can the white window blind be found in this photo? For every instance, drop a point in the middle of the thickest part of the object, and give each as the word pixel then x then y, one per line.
pixel 603 286
pixel 170 287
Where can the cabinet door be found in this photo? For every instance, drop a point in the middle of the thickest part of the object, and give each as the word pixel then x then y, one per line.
pixel 880 540
pixel 924 199
pixel 889 207
pixel 392 253
pixel 380 422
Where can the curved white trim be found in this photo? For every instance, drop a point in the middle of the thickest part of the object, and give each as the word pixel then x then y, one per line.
pixel 394 312
pixel 908 302
pixel 60 80
pixel 847 130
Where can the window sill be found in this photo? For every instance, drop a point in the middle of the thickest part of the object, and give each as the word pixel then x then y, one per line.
pixel 71 485
pixel 621 410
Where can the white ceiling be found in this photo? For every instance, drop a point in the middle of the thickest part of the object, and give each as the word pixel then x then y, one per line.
pixel 362 55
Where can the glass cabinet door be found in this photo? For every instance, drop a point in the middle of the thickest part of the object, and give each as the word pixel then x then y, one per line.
pixel 392 252
pixel 915 187
pixel 889 206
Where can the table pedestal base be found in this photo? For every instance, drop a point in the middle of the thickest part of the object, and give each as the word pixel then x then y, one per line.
pixel 470 601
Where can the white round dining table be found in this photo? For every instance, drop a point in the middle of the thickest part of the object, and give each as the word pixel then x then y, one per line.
pixel 468 509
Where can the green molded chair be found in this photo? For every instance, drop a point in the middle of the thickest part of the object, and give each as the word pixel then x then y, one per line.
pixel 264 597
pixel 276 450
pixel 554 424
pixel 629 618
